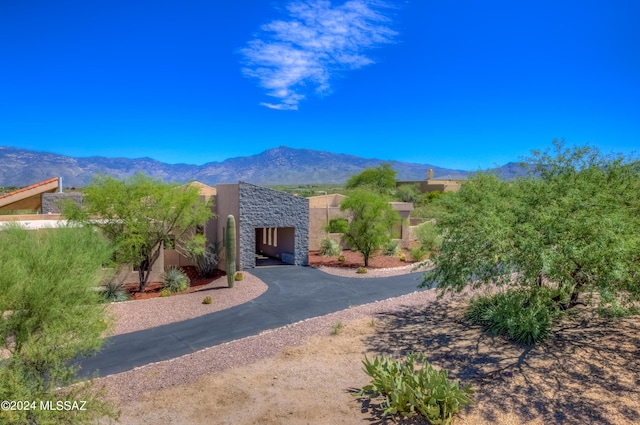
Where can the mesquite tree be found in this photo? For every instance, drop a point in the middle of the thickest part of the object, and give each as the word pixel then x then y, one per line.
pixel 371 221
pixel 138 214
pixel 573 226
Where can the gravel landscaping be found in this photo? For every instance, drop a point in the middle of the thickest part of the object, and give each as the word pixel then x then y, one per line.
pixel 304 373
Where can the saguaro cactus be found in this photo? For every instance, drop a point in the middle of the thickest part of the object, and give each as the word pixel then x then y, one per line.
pixel 230 249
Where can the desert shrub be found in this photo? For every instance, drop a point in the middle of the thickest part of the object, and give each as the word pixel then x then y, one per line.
pixel 337 225
pixel 525 315
pixel 341 258
pixel 408 390
pixel 175 280
pixel 207 300
pixel 336 328
pixel 613 305
pixel 114 292
pixel 391 249
pixel 165 293
pixel 417 254
pixel 402 257
pixel 329 248
pixel 238 277
pixel 361 270
pixel 408 193
pixel 428 236
pixel 51 313
pixel 205 256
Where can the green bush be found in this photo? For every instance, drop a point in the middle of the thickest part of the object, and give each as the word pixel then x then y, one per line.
pixel 337 225
pixel 175 280
pixel 613 305
pixel 165 293
pixel 341 258
pixel 525 316
pixel 50 313
pixel 207 300
pixel 205 256
pixel 417 254
pixel 428 236
pixel 408 390
pixel 329 248
pixel 391 249
pixel 408 193
pixel 239 277
pixel 361 270
pixel 402 257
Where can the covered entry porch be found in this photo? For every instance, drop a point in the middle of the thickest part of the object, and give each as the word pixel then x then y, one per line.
pixel 274 245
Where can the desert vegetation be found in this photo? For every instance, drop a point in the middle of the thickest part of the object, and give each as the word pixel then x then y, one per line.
pixel 51 312
pixel 138 215
pixel 566 236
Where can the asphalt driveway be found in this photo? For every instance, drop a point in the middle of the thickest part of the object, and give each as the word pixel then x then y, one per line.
pixel 294 294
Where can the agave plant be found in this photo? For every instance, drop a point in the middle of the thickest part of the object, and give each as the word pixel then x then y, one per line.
pixel 114 292
pixel 175 280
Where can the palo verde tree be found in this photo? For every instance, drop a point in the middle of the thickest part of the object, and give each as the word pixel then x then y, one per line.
pixel 138 214
pixel 50 312
pixel 381 179
pixel 571 228
pixel 371 221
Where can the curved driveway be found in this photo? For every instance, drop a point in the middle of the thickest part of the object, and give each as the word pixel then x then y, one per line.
pixel 294 294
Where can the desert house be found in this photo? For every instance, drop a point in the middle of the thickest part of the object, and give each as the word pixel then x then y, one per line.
pixel 271 225
pixel 323 208
pixel 434 185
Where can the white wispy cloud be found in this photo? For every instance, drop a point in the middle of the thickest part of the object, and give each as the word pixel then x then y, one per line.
pixel 316 41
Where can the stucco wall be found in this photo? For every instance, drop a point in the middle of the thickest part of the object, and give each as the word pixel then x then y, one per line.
pixel 318 220
pixel 262 207
pixel 226 202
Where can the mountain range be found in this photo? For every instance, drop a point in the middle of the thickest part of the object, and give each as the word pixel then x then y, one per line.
pixel 282 165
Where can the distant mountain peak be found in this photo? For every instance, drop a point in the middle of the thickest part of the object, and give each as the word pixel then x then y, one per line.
pixel 281 165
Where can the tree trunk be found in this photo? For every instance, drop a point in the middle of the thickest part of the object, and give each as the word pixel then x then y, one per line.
pixel 579 282
pixel 144 270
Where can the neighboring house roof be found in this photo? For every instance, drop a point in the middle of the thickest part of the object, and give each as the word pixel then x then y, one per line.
pixel 28 198
pixel 205 190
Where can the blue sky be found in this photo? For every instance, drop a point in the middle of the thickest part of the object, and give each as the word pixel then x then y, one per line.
pixel 458 84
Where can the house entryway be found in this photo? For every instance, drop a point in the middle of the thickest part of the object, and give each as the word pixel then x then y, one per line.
pixel 274 246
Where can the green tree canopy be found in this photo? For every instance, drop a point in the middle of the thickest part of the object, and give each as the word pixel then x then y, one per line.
pixel 382 179
pixel 372 219
pixel 50 312
pixel 574 227
pixel 408 193
pixel 138 214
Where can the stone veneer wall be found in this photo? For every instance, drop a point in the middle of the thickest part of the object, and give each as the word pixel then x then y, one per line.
pixel 262 207
pixel 50 201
